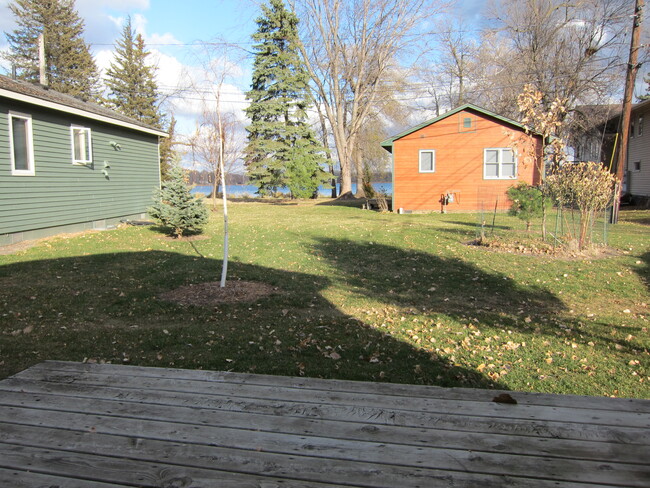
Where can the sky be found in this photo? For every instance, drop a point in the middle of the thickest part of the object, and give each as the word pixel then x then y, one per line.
pixel 174 31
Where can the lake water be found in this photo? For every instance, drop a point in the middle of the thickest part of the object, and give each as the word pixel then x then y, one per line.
pixel 249 190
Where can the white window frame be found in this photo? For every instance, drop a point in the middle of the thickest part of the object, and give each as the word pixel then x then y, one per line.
pixel 89 143
pixel 639 127
pixel 500 163
pixel 433 160
pixel 30 171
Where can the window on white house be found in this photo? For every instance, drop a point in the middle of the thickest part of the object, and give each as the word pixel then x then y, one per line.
pixel 631 129
pixel 640 126
pixel 499 163
pixel 636 166
pixel 81 145
pixel 427 161
pixel 22 146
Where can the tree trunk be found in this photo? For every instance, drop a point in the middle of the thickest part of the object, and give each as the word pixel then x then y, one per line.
pixel 358 164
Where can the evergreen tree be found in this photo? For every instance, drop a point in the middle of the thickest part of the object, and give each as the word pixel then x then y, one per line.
pixel 132 87
pixel 175 206
pixel 282 150
pixel 69 66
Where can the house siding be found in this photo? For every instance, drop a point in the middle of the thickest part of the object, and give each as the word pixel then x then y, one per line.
pixel 459 165
pixel 639 151
pixel 62 194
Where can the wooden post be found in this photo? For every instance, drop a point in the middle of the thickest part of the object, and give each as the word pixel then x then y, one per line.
pixel 626 112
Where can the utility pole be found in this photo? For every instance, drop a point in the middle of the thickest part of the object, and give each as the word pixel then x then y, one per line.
pixel 626 112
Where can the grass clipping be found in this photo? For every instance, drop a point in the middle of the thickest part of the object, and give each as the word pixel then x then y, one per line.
pixel 211 293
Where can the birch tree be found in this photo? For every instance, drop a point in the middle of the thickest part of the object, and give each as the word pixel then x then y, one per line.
pixel 349 47
pixel 218 66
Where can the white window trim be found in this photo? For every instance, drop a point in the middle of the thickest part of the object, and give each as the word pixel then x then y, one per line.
pixel 89 141
pixel 433 153
pixel 500 162
pixel 31 171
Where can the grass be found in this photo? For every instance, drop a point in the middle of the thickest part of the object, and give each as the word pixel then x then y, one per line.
pixel 362 296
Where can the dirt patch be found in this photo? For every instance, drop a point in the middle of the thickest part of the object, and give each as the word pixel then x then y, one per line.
pixel 210 294
pixel 17 247
pixel 543 249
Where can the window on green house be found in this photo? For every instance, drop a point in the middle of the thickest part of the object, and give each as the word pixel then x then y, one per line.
pixel 22 147
pixel 81 145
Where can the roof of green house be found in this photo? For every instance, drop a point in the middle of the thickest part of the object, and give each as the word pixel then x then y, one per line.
pixel 388 143
pixel 42 96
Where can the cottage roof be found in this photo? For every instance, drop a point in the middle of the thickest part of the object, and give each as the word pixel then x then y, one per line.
pixel 43 96
pixel 388 143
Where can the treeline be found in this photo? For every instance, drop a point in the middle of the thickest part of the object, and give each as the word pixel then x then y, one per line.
pixel 203 177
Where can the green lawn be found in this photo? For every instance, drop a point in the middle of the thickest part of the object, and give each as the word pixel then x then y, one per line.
pixel 361 295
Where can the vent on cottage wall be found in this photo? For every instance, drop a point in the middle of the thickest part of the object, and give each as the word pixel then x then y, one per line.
pixel 466 122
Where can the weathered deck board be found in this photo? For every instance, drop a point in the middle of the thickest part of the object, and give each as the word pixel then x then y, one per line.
pixel 410 391
pixel 69 425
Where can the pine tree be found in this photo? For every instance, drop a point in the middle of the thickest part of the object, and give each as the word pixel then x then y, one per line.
pixel 175 206
pixel 132 86
pixel 69 66
pixel 282 150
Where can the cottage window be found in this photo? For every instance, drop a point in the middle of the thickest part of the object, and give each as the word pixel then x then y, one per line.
pixel 21 144
pixel 427 161
pixel 640 126
pixel 499 164
pixel 81 145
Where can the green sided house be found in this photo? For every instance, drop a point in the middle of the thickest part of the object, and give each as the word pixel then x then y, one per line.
pixel 67 165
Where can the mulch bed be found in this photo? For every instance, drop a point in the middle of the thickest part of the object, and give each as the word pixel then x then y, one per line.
pixel 211 294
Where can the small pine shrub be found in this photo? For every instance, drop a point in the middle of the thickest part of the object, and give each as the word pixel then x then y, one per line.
pixel 175 206
pixel 527 202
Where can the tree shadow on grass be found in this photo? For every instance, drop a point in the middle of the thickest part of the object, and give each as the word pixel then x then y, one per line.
pixel 431 285
pixel 477 225
pixel 106 307
pixel 427 282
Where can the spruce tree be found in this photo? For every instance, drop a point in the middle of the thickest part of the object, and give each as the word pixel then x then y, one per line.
pixel 69 66
pixel 282 150
pixel 132 86
pixel 175 206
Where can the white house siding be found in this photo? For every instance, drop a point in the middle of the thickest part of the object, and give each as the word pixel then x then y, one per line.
pixel 639 152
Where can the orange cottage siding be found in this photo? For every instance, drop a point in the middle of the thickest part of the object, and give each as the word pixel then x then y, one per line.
pixel 459 154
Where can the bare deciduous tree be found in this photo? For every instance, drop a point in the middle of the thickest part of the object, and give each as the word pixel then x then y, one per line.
pixel 349 47
pixel 569 50
pixel 218 65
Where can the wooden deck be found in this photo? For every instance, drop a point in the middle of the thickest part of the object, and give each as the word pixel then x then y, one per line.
pixel 89 425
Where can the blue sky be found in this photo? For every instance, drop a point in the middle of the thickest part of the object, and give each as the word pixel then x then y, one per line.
pixel 172 29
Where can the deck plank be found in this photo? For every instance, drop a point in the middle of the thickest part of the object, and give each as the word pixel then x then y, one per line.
pixel 484 408
pixel 68 423
pixel 449 439
pixel 333 385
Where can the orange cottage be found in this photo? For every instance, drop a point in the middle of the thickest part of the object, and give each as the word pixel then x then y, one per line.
pixel 461 161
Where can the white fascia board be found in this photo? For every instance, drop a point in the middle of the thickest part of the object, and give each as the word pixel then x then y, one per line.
pixel 76 111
